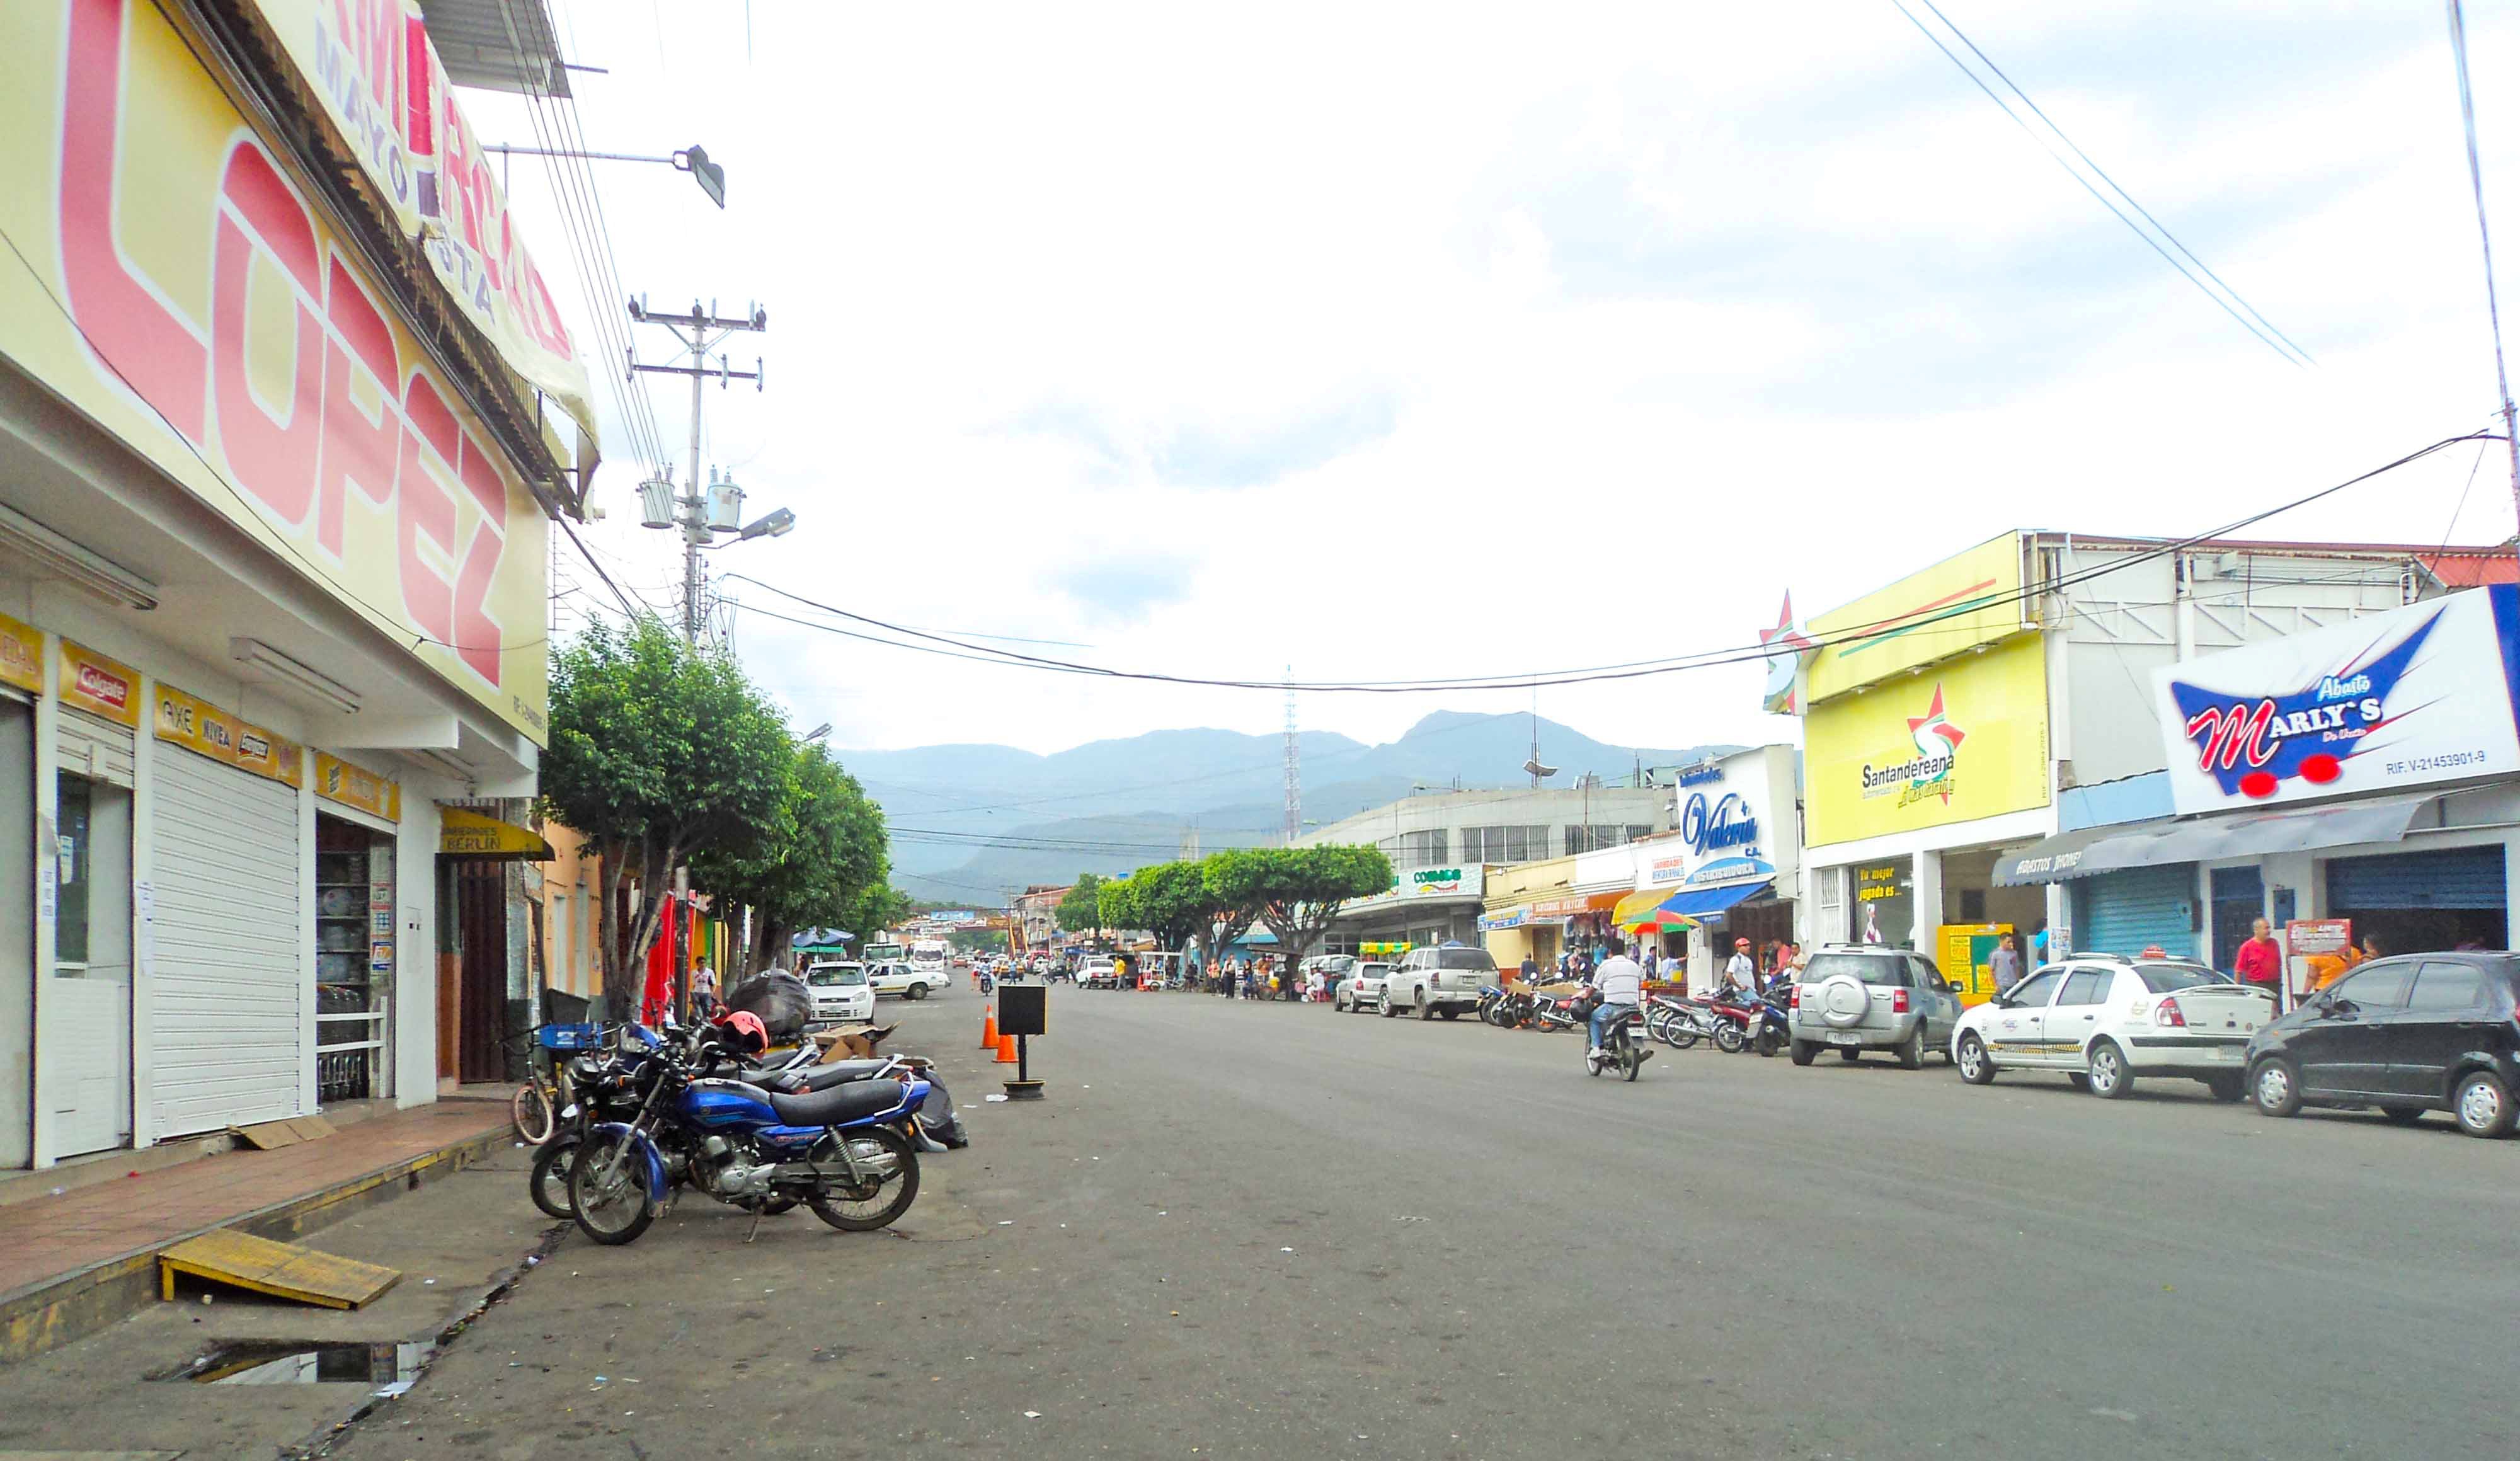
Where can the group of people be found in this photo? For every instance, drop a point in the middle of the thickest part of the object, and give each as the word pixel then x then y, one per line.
pixel 1263 978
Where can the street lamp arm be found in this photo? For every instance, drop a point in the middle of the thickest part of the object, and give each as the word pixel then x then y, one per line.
pixel 504 149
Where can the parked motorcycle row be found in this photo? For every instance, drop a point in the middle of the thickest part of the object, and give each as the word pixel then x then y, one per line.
pixel 1730 1021
pixel 698 1109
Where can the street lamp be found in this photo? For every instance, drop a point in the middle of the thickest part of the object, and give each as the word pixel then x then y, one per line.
pixel 693 160
pixel 701 517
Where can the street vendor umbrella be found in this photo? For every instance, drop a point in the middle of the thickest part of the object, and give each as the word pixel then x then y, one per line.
pixel 1643 913
pixel 812 938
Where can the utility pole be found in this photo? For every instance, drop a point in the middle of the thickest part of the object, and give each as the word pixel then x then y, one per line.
pixel 2485 239
pixel 1294 768
pixel 699 332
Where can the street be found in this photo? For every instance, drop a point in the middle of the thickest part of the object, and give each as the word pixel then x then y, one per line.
pixel 1270 1230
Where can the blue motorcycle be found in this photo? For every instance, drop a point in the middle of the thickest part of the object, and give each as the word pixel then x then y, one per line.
pixel 840 1151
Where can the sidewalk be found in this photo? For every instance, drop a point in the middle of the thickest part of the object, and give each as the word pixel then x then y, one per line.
pixel 73 1264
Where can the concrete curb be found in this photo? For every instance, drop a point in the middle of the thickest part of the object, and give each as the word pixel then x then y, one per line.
pixel 44 1316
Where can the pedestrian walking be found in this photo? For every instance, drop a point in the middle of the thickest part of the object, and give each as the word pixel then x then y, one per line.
pixel 704 991
pixel 1530 969
pixel 2004 965
pixel 1742 971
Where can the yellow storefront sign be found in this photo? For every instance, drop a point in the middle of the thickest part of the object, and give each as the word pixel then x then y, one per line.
pixel 1963 740
pixel 22 656
pixel 171 281
pixel 470 833
pixel 100 686
pixel 1964 601
pixel 197 725
pixel 337 780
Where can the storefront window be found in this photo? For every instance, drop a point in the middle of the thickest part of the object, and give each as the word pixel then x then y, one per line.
pixel 1885 901
pixel 78 863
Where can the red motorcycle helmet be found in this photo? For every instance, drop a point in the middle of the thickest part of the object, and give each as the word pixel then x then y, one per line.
pixel 741 1032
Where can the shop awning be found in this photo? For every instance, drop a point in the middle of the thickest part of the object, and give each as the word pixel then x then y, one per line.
pixel 469 833
pixel 1655 905
pixel 1568 904
pixel 2235 833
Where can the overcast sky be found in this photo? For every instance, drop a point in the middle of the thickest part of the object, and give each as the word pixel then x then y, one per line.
pixel 1389 341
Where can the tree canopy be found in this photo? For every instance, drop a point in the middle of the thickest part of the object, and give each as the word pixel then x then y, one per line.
pixel 657 750
pixel 1294 891
pixel 813 864
pixel 1082 909
pixel 1169 899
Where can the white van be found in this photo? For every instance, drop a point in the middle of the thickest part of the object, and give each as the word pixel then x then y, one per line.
pixel 1431 982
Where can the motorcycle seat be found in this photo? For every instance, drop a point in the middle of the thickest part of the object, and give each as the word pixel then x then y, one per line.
pixel 848 1102
pixel 821 1078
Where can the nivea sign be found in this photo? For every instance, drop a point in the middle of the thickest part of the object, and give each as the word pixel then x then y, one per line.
pixel 1724 822
pixel 2413 695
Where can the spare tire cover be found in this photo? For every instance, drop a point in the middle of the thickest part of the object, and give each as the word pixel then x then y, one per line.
pixel 1843 1000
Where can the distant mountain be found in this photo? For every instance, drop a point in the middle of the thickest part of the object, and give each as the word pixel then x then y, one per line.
pixel 972 823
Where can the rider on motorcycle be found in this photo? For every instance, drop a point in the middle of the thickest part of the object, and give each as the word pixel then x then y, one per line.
pixel 1620 983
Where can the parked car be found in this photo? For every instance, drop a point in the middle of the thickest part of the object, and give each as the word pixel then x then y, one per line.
pixel 1855 997
pixel 1362 990
pixel 2111 1019
pixel 1099 972
pixel 1431 982
pixel 840 991
pixel 908 980
pixel 2408 1034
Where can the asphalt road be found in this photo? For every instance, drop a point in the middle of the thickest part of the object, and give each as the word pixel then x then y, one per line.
pixel 1266 1230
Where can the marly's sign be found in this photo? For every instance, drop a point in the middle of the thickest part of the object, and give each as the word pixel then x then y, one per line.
pixel 190 299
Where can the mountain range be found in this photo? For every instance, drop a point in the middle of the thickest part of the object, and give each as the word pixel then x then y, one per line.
pixel 974 823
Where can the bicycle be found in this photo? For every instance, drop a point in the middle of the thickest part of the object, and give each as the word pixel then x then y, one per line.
pixel 536 1106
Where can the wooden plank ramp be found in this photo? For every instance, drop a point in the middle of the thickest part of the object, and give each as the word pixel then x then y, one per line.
pixel 283 1270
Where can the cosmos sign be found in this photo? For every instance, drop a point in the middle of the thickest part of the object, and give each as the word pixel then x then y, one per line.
pixel 2417 694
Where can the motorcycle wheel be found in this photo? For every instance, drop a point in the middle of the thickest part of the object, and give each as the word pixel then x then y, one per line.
pixel 1767 1043
pixel 865 1206
pixel 549 1184
pixel 1631 1060
pixel 616 1212
pixel 1729 1038
pixel 1592 1064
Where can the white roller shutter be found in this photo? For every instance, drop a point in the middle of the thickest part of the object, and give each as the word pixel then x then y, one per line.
pixel 93 746
pixel 230 974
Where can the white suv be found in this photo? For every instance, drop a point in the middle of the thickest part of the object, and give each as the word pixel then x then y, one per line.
pixel 1431 982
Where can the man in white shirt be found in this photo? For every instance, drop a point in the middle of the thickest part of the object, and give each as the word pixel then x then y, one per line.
pixel 1741 972
pixel 1622 988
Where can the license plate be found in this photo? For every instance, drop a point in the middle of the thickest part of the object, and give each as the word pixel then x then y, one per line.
pixel 2223 1052
pixel 1844 1037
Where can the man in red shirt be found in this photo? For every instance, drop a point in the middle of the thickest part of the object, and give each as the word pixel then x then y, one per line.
pixel 2260 962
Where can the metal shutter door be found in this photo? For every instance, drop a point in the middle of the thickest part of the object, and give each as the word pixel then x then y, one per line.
pixel 2445 878
pixel 93 746
pixel 2122 912
pixel 230 976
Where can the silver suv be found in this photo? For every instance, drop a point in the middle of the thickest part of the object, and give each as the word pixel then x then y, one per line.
pixel 1855 997
pixel 1431 982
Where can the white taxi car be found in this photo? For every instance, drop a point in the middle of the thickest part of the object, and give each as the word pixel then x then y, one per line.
pixel 840 991
pixel 908 980
pixel 2107 1018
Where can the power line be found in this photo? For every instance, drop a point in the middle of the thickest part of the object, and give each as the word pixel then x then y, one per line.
pixel 1635 669
pixel 2252 322
pixel 2476 181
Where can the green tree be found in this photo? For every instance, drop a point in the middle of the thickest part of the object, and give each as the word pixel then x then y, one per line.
pixel 1115 904
pixel 1295 890
pixel 1170 900
pixel 811 865
pixel 657 750
pixel 1081 909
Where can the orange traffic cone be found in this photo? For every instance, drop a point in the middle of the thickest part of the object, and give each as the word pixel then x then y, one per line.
pixel 1006 1050
pixel 988 1026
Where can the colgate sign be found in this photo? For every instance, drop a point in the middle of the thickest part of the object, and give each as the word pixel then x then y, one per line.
pixel 1725 823
pixel 104 686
